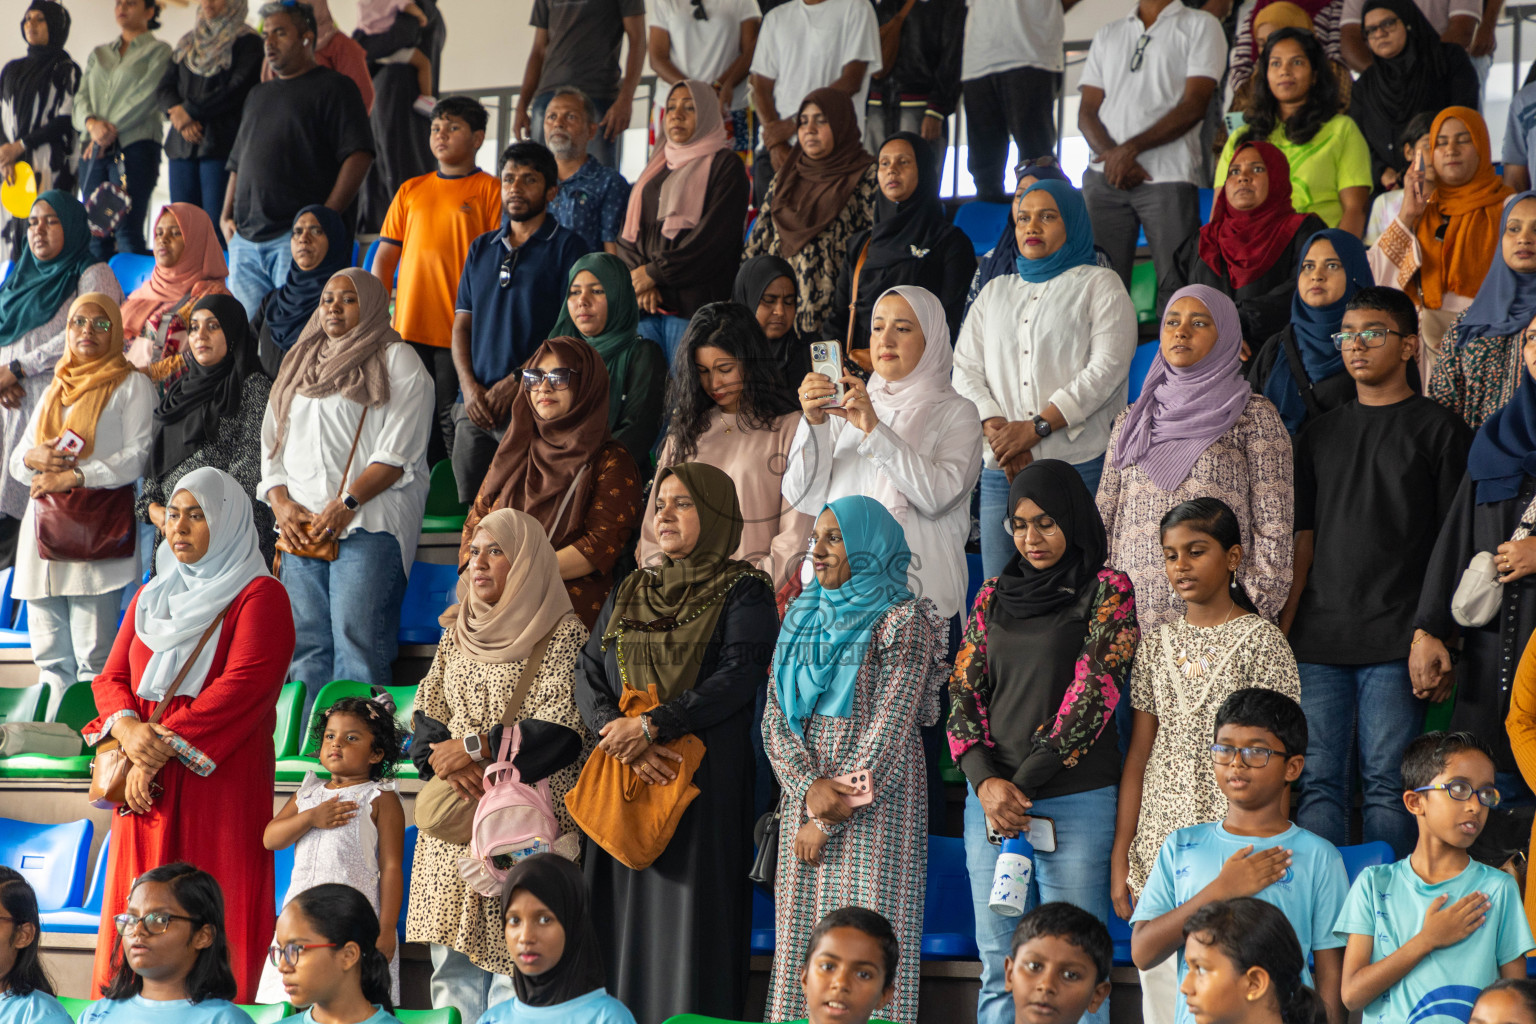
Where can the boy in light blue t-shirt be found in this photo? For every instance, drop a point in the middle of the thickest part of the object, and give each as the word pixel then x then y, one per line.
pixel 1426 934
pixel 1261 739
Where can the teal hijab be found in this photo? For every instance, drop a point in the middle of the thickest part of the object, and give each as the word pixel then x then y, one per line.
pixel 617 343
pixel 36 290
pixel 826 633
pixel 1077 250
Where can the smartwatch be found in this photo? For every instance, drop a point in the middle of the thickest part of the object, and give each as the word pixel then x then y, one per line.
pixel 472 745
pixel 353 504
pixel 15 369
pixel 1042 427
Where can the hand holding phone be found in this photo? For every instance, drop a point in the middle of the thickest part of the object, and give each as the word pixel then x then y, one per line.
pixel 70 443
pixel 861 781
pixel 827 360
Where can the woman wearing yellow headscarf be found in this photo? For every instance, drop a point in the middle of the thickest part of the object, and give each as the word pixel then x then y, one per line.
pixel 100 409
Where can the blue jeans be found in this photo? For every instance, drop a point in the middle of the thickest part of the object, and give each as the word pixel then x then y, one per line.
pixel 141 172
pixel 256 268
pixel 1078 873
pixel 346 613
pixel 1364 711
pixel 607 152
pixel 666 331
pixel 200 181
pixel 456 981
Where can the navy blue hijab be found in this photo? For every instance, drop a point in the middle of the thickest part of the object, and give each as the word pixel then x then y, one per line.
pixel 288 308
pixel 1504 450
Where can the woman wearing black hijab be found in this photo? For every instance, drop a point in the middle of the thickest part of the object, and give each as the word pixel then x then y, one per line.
pixel 210 413
pixel 912 243
pixel 543 886
pixel 1046 662
pixel 1412 72
pixel 321 248
pixel 766 285
pixel 35 93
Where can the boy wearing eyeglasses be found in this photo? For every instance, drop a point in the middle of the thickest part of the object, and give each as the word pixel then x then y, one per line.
pixel 1375 480
pixel 1254 851
pixel 1426 933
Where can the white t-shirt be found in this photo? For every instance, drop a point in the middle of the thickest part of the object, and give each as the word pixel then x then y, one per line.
pixel 703 50
pixel 803 47
pixel 1439 12
pixel 1003 35
pixel 1182 43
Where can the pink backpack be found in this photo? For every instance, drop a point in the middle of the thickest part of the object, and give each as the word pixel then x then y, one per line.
pixel 512 820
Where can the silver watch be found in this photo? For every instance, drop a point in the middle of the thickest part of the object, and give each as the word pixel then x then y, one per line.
pixel 472 745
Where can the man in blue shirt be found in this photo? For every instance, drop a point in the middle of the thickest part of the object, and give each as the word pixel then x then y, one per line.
pixel 593 197
pixel 510 295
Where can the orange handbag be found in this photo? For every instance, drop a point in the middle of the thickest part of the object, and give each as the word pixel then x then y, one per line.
pixel 630 818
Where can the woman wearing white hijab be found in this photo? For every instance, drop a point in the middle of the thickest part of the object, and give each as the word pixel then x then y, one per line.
pixel 209 758
pixel 907 439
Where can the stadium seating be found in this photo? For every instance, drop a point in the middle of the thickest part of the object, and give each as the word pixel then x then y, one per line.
pixel 53 858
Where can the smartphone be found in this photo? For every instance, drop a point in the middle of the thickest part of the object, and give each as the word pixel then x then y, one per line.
pixel 1235 121
pixel 859 780
pixel 827 358
pixel 1041 834
pixel 70 442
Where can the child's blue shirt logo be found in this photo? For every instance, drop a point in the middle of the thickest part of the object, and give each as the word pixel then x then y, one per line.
pixel 1448 1002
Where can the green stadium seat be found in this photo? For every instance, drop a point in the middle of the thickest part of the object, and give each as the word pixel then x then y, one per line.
pixel 447 1015
pixel 292 769
pixel 444 512
pixel 1144 292
pixel 76 708
pixel 290 703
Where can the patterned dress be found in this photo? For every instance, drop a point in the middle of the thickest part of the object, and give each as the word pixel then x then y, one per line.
pixel 1249 468
pixel 1182 674
pixel 1475 377
pixel 876 858
pixel 817 265
pixel 471 696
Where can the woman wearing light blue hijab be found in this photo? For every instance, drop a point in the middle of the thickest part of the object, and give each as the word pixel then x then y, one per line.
pixel 857 671
pixel 1045 355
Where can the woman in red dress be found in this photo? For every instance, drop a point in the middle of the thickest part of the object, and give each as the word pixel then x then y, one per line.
pixel 200 782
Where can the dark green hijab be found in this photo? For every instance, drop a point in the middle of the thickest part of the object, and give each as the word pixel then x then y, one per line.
pixel 36 290
pixel 619 340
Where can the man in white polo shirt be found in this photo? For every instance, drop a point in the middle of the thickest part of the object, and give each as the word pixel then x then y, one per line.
pixel 1145 86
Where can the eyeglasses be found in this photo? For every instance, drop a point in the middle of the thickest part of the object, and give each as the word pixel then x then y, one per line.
pixel 1461 791
pixel 289 954
pixel 559 378
pixel 1366 339
pixel 1382 27
pixel 1044 525
pixel 101 325
pixel 155 922
pixel 698 10
pixel 1252 757
pixel 1140 53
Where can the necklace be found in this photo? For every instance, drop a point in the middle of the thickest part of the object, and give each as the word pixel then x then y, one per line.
pixel 1196 663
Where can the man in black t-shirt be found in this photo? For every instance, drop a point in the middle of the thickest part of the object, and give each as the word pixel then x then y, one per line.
pixel 304 140
pixel 1375 479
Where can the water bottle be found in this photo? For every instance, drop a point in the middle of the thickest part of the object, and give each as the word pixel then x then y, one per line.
pixel 1010 879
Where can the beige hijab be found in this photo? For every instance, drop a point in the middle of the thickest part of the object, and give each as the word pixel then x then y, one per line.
pixel 533 603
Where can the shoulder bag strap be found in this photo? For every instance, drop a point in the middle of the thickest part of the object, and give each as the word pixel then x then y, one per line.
pixel 186 667
pixel 853 292
pixel 570 492
pixel 1527 522
pixel 1304 383
pixel 351 453
pixel 531 669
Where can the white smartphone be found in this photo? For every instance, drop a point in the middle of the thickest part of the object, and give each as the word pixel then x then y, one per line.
pixel 827 358
pixel 1041 834
pixel 70 442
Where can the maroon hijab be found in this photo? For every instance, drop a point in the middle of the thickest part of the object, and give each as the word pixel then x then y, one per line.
pixel 1242 245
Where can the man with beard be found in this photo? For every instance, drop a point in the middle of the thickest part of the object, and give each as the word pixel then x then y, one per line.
pixel 592 197
pixel 511 291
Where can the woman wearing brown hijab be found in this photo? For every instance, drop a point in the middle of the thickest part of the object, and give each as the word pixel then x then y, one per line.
pixel 823 196
pixel 559 463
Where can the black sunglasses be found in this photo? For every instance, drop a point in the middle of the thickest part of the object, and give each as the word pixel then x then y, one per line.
pixel 559 378
pixel 698 10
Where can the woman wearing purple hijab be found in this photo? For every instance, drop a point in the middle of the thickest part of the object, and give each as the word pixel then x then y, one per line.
pixel 1198 431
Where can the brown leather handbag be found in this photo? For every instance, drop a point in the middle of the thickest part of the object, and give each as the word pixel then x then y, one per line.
pixel 85 524
pixel 109 768
pixel 326 549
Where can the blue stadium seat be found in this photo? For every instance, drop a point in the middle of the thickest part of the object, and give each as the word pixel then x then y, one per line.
pixel 1120 934
pixel 282 872
pixel 12 632
pixel 5 270
pixel 83 920
pixel 763 933
pixel 982 223
pixel 1358 858
pixel 53 858
pixel 428 593
pixel 949 928
pixel 1141 362
pixel 406 857
pixel 976 578
pixel 373 250
pixel 131 269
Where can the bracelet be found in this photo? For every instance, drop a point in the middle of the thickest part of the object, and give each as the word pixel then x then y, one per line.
pixel 645 727
pixel 80 475
pixel 1416 640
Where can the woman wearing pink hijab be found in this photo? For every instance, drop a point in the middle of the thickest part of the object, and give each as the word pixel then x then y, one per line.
pixel 1198 431
pixel 682 234
pixel 188 265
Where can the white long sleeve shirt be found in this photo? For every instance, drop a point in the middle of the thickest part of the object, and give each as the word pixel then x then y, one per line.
pixel 1066 342
pixel 935 474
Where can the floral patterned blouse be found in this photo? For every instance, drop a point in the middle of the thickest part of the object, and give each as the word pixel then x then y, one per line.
pixel 1062 736
pixel 1475 377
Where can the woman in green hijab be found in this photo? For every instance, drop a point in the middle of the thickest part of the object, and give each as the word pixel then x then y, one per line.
pixel 690 640
pixel 55 267
pixel 600 306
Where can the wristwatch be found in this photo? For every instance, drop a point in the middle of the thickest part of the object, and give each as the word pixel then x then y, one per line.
pixel 352 503
pixel 472 745
pixel 15 369
pixel 1043 427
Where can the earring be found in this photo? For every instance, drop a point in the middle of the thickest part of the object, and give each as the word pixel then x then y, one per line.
pixel 1233 584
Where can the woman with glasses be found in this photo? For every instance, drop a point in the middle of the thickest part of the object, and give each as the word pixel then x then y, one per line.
pixel 1046 660
pixel 1479 365
pixel 344 467
pixel 321 247
pixel 55 266
pixel 188 265
pixel 83 450
pixel 199 782
pixel 1299 369
pixel 560 463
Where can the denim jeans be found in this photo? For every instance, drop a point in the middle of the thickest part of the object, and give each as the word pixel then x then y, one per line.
pixel 256 268
pixel 1367 712
pixel 141 172
pixel 201 182
pixel 1077 873
pixel 72 636
pixel 666 331
pixel 606 151
pixel 346 613
pixel 456 981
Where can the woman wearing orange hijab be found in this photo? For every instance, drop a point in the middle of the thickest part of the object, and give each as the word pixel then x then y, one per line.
pixel 1441 244
pixel 188 265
